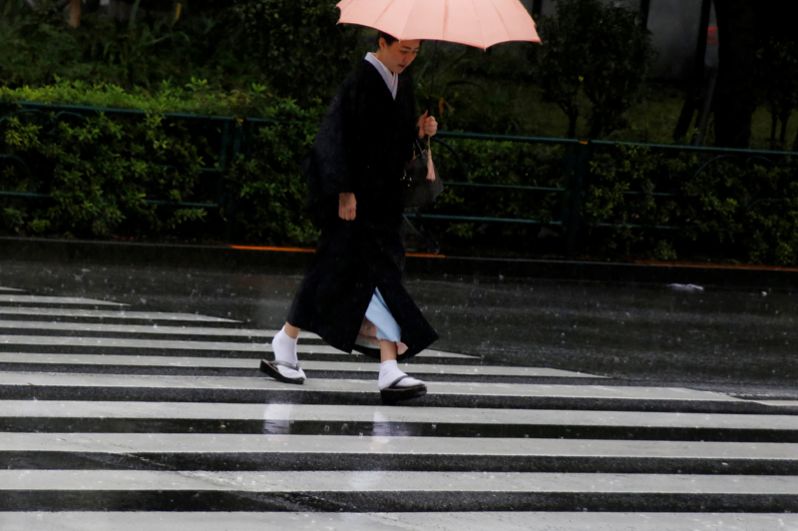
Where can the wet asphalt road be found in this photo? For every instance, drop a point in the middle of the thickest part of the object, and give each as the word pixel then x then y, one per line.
pixel 724 337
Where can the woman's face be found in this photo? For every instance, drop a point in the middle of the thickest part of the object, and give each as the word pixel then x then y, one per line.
pixel 398 55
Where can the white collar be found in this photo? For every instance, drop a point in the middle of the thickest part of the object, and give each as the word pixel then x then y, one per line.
pixel 391 79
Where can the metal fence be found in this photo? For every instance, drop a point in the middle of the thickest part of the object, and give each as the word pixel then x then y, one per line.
pixel 565 185
pixel 578 174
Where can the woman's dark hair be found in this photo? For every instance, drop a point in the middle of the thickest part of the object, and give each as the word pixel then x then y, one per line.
pixel 389 39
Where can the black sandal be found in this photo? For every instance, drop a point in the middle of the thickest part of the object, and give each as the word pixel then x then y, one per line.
pixel 272 369
pixel 393 394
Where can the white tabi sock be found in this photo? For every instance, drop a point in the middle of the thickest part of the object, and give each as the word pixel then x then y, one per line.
pixel 390 372
pixel 284 347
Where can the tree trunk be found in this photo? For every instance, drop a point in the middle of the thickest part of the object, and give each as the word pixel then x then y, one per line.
pixel 74 13
pixel 773 125
pixel 573 116
pixel 785 118
pixel 696 81
pixel 734 103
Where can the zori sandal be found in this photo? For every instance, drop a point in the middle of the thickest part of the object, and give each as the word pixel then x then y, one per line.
pixel 272 368
pixel 394 393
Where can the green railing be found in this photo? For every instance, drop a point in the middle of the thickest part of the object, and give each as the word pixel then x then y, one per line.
pixel 233 132
pixel 568 184
pixel 229 137
pixel 576 176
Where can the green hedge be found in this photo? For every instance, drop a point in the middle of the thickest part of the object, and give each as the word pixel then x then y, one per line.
pixel 476 163
pixel 145 174
pixel 635 202
pixel 706 205
pixel 148 173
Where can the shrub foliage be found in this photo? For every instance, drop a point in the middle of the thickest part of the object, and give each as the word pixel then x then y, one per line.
pixel 143 128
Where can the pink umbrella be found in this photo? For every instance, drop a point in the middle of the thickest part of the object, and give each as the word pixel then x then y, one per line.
pixel 479 23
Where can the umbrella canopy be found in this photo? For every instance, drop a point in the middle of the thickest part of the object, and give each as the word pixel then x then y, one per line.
pixel 479 23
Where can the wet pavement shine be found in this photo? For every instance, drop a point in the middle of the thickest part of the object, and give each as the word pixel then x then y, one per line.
pixel 561 396
pixel 667 329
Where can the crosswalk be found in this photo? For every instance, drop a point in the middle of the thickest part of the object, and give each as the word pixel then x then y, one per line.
pixel 116 417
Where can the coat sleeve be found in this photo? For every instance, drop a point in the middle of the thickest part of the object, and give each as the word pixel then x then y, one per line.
pixel 410 131
pixel 330 158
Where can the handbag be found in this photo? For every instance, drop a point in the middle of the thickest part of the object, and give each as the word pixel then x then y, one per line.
pixel 421 183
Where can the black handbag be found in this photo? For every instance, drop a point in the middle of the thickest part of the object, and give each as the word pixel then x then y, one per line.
pixel 421 183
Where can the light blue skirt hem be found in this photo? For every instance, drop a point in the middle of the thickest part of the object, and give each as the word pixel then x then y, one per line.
pixel 380 316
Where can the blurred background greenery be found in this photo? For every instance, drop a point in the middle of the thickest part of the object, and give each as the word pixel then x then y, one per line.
pixel 269 67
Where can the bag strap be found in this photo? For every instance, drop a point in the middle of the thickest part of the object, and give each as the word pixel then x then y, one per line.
pixel 423 144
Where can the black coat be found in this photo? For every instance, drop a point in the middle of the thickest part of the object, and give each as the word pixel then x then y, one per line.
pixel 362 146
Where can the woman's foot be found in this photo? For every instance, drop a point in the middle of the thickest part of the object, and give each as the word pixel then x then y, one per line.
pixel 395 385
pixel 285 367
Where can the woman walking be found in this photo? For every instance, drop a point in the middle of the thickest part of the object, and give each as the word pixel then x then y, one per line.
pixel 352 295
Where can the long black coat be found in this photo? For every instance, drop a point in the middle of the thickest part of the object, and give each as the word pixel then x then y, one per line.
pixel 362 147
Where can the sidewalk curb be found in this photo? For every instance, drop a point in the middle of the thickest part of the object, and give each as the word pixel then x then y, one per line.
pixel 294 260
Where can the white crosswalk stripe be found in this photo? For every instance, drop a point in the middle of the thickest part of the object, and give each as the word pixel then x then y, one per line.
pixel 34 311
pixel 197 444
pixel 43 360
pixel 4 289
pixel 344 413
pixel 440 521
pixel 111 343
pixel 114 416
pixel 53 379
pixel 66 301
pixel 396 481
pixel 6 311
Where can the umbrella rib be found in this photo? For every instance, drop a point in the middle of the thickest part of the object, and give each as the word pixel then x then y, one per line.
pixel 449 23
pixel 404 29
pixel 482 41
pixel 445 21
pixel 504 24
pixel 385 9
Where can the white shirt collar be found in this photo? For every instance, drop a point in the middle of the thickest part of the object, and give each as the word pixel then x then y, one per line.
pixel 391 79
